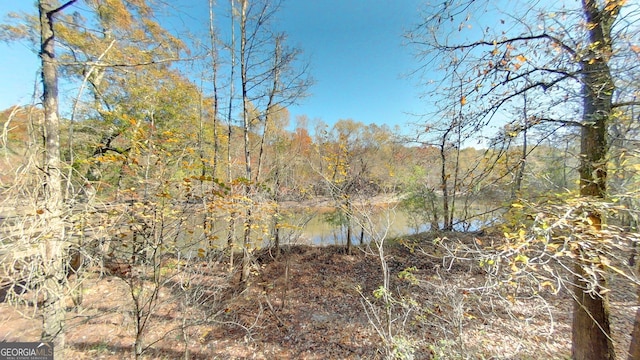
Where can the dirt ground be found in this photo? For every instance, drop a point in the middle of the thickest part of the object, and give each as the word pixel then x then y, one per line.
pixel 320 303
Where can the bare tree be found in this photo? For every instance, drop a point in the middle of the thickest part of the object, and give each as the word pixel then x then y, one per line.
pixel 214 68
pixel 246 125
pixel 263 72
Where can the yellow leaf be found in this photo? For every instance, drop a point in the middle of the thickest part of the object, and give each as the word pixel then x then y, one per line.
pixel 521 235
pixel 521 58
pixel 522 258
pixel 611 5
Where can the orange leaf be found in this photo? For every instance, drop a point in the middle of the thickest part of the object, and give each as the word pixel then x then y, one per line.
pixel 463 100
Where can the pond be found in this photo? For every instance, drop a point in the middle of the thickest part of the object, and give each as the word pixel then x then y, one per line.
pixel 317 226
pixel 315 229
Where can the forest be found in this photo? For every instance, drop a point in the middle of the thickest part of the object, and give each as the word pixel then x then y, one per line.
pixel 163 207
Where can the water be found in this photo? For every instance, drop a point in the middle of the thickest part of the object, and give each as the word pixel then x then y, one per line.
pixel 311 227
pixel 386 222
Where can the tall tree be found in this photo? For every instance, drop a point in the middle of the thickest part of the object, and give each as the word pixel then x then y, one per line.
pixel 264 67
pixel 246 126
pixel 568 61
pixel 121 62
pixel 53 247
pixel 214 68
pixel 593 341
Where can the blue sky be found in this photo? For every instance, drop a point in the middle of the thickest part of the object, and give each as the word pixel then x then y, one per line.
pixel 20 64
pixel 357 58
pixel 354 48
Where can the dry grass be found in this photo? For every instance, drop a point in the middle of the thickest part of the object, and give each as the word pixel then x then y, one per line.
pixel 306 305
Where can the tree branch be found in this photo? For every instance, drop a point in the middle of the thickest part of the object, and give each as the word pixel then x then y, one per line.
pixel 625 103
pixel 509 41
pixel 60 8
pixel 109 65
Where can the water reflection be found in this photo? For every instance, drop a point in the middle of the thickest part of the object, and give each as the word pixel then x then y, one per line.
pixel 392 223
pixel 310 227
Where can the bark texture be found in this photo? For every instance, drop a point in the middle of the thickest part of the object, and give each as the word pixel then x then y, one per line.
pixel 53 249
pixel 591 330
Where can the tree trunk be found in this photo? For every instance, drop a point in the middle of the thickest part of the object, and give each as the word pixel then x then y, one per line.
pixel 634 348
pixel 246 120
pixel 276 235
pixel 231 227
pixel 349 238
pixel 270 104
pixel 276 216
pixel 53 246
pixel 231 238
pixel 443 184
pixel 214 68
pixel 349 214
pixel 591 329
pixel 246 243
pixel 247 146
pixel 523 157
